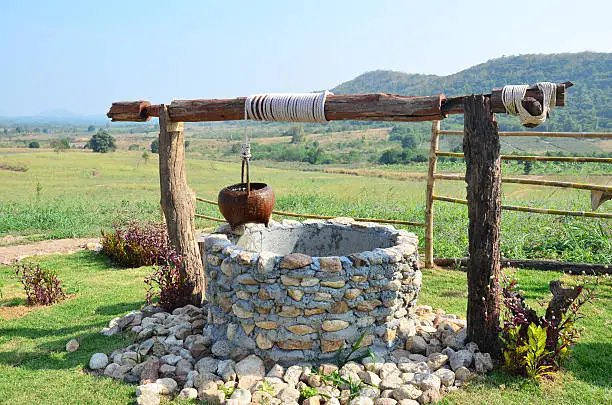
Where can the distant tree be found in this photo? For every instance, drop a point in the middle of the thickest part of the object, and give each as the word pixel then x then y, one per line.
pixel 187 143
pixel 60 145
pixel 296 133
pixel 134 146
pixel 91 128
pixel 155 146
pixel 5 131
pixel 18 130
pixel 102 142
pixel 409 141
pixel 145 156
pixel 33 145
pixel 527 166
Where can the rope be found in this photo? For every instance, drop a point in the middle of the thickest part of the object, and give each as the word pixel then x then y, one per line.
pixel 512 96
pixel 288 107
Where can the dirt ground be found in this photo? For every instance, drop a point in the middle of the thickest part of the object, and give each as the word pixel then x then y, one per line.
pixel 14 253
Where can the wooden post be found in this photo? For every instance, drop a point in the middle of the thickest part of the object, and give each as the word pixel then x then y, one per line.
pixel 178 201
pixel 483 176
pixel 429 202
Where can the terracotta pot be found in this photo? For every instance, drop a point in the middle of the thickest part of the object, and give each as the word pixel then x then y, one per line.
pixel 239 207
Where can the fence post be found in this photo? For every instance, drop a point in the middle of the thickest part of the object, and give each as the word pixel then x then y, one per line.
pixel 483 176
pixel 178 202
pixel 429 202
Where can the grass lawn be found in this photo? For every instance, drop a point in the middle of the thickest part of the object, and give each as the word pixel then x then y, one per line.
pixel 35 368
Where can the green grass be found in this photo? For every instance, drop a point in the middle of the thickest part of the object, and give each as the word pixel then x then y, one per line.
pixel 34 367
pixel 81 192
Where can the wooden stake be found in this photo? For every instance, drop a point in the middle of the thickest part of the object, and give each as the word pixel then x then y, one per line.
pixel 178 202
pixel 429 202
pixel 483 175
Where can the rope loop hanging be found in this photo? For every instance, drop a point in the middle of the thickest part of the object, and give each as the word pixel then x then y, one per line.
pixel 513 95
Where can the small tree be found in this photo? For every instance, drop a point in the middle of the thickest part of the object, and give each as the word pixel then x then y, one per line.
pixel 527 166
pixel 102 142
pixel 60 145
pixel 33 145
pixel 155 146
pixel 145 156
pixel 409 141
pixel 91 128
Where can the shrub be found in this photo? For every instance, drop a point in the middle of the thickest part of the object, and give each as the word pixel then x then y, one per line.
pixel 102 142
pixel 535 346
pixel 34 145
pixel 174 288
pixel 136 244
pixel 41 286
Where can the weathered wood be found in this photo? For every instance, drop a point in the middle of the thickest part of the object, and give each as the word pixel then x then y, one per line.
pixel 372 107
pixel 535 182
pixel 539 158
pixel 544 265
pixel 429 202
pixel 483 176
pixel 178 202
pixel 454 105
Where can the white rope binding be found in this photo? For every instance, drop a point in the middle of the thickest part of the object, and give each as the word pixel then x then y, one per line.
pixel 512 96
pixel 287 107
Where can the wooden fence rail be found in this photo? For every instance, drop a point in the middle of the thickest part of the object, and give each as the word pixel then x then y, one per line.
pixel 596 135
pixel 534 182
pixel 575 159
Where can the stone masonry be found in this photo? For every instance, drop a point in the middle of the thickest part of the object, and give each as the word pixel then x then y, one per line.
pixel 299 291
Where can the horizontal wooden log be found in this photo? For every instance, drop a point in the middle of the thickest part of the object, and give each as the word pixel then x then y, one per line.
pixel 575 159
pixel 589 135
pixel 546 265
pixel 454 105
pixel 534 182
pixel 369 107
pixel 588 214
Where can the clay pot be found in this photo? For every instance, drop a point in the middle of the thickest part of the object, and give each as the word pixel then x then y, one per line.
pixel 239 207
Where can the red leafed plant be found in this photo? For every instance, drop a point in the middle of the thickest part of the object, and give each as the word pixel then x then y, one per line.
pixel 41 286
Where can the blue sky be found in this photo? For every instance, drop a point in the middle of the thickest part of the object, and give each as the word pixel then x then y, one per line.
pixel 83 55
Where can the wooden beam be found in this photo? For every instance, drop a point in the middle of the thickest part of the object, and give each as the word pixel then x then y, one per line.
pixel 585 135
pixel 574 159
pixel 178 203
pixel 368 107
pixel 546 265
pixel 483 176
pixel 535 182
pixel 454 105
pixel 364 107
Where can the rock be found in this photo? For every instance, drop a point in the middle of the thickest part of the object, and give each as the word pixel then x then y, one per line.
pixel 462 358
pixel 293 374
pixel 183 367
pixel 261 397
pixel 210 394
pixel 408 391
pixel 333 325
pixel 295 261
pixel 277 371
pixel 150 371
pixel 167 370
pixel 169 385
pixel 332 401
pixel 221 348
pixel 367 306
pixel 288 394
pixel 200 381
pixel 385 401
pixel 250 371
pixel 369 377
pixel 312 401
pixel 416 344
pixel 226 369
pixel 242 396
pixel 331 264
pixel 391 382
pixel 360 400
pixel 188 393
pixel 463 374
pixel 314 380
pixel 408 402
pixel 72 345
pixel 148 398
pixel 370 392
pixel 301 329
pixel 151 388
pixel 331 345
pixel 483 362
pixel 472 346
pixel 170 359
pixel 446 376
pixel 295 294
pixel 436 360
pixel 98 361
pixel 263 342
pixel 352 293
pixel 206 365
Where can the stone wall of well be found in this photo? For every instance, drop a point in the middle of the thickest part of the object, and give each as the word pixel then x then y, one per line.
pixel 301 307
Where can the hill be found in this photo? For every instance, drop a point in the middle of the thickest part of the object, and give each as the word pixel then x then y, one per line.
pixel 589 102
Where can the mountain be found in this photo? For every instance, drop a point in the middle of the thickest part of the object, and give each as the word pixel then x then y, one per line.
pixel 588 104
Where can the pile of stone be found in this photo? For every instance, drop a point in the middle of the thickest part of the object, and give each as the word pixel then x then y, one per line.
pixel 176 356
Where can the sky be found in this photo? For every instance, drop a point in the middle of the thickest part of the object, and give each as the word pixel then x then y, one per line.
pixel 83 55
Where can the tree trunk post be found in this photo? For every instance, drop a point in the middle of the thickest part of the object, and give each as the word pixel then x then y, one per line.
pixel 178 201
pixel 429 202
pixel 483 176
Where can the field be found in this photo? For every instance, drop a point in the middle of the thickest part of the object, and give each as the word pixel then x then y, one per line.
pixel 76 193
pixel 35 365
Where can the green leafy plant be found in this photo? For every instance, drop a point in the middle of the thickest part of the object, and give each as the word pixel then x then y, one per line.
pixel 266 387
pixel 227 391
pixel 308 392
pixel 354 354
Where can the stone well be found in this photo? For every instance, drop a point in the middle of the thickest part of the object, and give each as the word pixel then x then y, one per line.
pixel 301 290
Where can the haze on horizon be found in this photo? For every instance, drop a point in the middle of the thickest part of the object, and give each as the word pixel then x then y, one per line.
pixel 82 56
